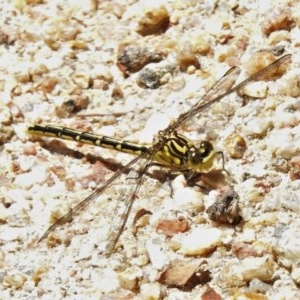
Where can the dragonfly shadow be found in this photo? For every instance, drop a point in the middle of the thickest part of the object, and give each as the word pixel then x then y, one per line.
pixel 59 147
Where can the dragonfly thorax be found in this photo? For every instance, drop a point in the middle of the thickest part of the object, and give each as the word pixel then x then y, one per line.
pixel 180 153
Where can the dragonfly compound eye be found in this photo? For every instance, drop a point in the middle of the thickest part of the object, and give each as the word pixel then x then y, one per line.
pixel 202 157
pixel 205 149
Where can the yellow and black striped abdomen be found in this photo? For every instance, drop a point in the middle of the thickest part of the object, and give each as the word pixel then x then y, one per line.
pixel 87 138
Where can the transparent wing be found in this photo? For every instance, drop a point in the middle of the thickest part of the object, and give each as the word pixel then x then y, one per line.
pixel 120 220
pixel 223 87
pixel 94 195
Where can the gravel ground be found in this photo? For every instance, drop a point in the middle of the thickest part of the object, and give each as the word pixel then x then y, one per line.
pixel 127 69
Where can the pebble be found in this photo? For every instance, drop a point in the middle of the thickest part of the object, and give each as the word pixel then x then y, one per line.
pixel 53 63
pixel 170 227
pixel 6 133
pixel 153 20
pixel 290 201
pixel 185 274
pixel 201 241
pixel 276 20
pixel 283 143
pixel 257 285
pixel 235 145
pixel 287 249
pixel 129 278
pixel 132 58
pixel 154 75
pixel 242 271
pixel 157 254
pixel 12 234
pixel 258 90
pixel 296 272
pixel 38 175
pixel 150 291
pixel 14 281
pixel 258 127
pixel 265 219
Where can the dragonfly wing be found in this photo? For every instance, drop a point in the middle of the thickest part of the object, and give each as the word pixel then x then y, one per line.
pixel 91 197
pixel 121 217
pixel 223 87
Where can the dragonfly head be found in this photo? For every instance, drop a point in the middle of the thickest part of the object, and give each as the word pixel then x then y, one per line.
pixel 201 159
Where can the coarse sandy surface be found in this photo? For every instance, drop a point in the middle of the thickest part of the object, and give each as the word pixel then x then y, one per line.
pixel 127 69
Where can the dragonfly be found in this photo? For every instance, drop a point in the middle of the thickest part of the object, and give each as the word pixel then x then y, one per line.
pixel 171 149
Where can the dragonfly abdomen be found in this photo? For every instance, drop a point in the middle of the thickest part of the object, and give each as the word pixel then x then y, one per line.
pixel 87 138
